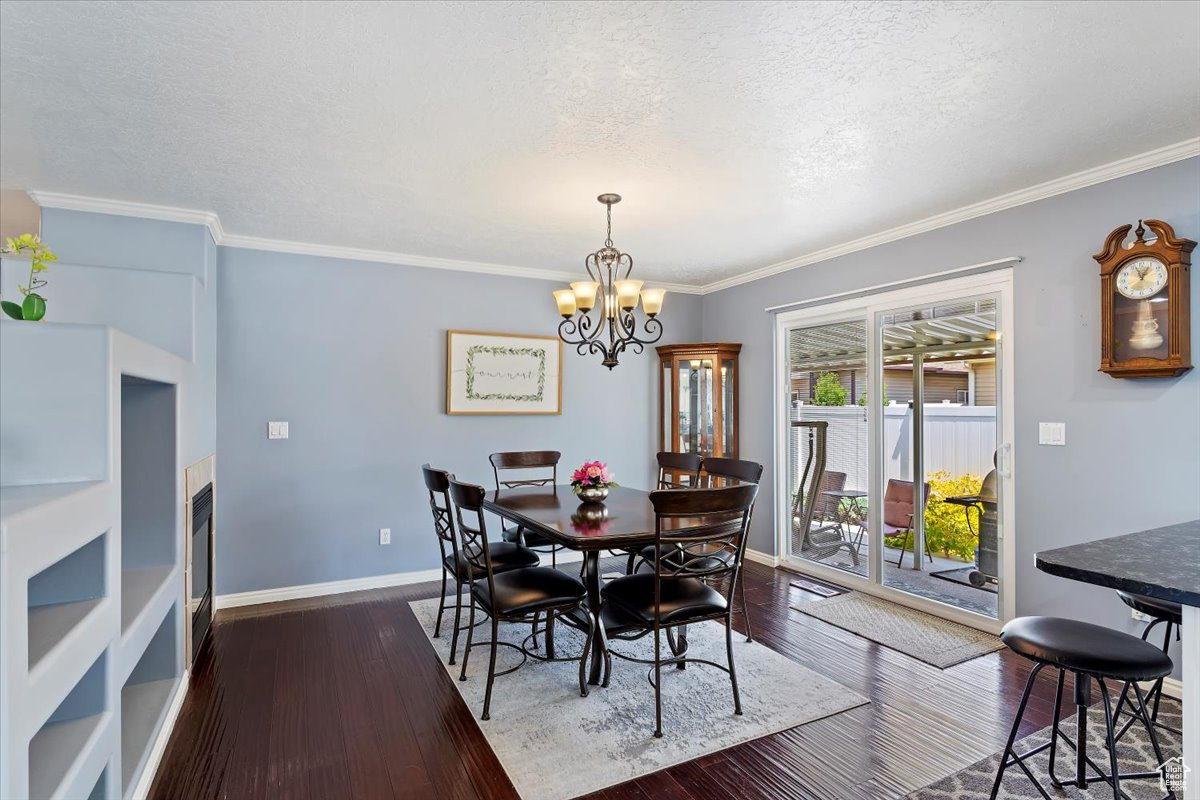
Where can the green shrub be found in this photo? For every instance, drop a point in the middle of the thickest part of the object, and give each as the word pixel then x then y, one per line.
pixel 946 526
pixel 829 391
pixel 862 398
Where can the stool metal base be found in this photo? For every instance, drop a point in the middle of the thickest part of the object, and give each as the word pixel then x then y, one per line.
pixel 1082 761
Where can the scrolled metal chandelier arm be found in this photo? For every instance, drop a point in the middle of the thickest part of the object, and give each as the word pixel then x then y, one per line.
pixel 613 296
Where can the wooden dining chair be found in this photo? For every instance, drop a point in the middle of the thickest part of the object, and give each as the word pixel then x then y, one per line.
pixel 673 468
pixel 527 468
pixel 518 595
pixel 456 565
pixel 695 569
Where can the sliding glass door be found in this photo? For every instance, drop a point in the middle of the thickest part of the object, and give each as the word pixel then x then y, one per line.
pixel 893 431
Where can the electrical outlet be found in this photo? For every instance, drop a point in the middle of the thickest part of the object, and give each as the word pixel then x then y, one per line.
pixel 385 535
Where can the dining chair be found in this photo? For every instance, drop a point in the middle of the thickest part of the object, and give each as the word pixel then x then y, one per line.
pixel 677 466
pixel 673 468
pixel 695 569
pixel 456 564
pixel 518 595
pixel 531 468
pixel 728 472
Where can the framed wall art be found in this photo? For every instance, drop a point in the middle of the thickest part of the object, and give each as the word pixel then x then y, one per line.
pixel 503 373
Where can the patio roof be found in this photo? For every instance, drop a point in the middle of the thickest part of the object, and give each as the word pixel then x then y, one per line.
pixel 963 331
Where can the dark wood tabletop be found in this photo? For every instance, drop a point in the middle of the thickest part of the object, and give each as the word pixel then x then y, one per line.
pixel 625 519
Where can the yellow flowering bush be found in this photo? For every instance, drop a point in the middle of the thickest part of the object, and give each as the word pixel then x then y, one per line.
pixel 946 527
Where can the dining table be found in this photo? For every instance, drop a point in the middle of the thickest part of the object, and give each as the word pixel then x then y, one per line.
pixel 1163 563
pixel 624 520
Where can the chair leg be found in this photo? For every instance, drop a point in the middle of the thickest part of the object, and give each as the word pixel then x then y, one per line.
pixel 903 548
pixel 457 618
pixel 657 684
pixel 745 607
pixel 1054 781
pixel 550 615
pixel 737 698
pixel 1111 740
pixel 587 647
pixel 1012 736
pixel 536 616
pixel 487 695
pixel 462 676
pixel 437 626
pixel 1149 720
pixel 631 563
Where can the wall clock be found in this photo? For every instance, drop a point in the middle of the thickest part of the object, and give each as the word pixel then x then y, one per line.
pixel 1145 319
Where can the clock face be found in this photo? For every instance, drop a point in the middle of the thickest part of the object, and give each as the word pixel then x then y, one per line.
pixel 1141 278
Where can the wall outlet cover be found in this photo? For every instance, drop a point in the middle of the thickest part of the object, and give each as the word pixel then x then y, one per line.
pixel 385 535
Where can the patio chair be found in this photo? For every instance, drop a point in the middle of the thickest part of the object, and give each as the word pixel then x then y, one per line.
pixel 898 514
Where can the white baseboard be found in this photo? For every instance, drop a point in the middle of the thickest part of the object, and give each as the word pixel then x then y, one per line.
pixel 759 557
pixel 1173 688
pixel 329 587
pixel 142 788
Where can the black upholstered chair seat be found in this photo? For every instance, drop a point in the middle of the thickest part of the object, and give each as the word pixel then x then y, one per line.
pixel 1154 607
pixel 532 538
pixel 505 556
pixel 525 591
pixel 695 560
pixel 683 599
pixel 1083 647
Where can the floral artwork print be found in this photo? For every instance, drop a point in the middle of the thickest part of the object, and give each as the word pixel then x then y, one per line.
pixel 496 350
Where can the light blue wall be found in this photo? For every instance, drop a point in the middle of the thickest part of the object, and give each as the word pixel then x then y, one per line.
pixel 154 280
pixel 1131 457
pixel 353 356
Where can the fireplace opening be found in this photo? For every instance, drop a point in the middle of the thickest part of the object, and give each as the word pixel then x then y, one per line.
pixel 200 602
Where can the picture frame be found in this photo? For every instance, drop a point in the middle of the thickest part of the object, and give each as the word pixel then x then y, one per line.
pixel 503 373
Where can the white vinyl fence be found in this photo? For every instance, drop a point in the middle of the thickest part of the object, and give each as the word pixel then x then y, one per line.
pixel 958 439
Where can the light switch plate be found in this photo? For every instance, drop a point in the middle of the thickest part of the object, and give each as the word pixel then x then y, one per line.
pixel 1053 433
pixel 277 430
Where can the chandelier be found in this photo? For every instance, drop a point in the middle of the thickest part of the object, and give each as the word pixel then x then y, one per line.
pixel 613 328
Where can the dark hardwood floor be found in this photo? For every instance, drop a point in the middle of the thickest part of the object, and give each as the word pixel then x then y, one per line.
pixel 342 697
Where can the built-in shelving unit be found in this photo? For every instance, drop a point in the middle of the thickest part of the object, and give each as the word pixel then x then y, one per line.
pixel 92 579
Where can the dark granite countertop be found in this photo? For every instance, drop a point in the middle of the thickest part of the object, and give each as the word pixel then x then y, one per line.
pixel 1162 563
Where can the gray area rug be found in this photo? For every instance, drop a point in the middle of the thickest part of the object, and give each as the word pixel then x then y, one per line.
pixel 1134 754
pixel 925 637
pixel 555 744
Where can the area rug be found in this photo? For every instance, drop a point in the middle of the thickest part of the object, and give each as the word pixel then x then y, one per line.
pixel 555 744
pixel 923 636
pixel 1134 754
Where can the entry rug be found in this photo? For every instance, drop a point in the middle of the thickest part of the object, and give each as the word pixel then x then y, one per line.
pixel 925 637
pixel 1134 754
pixel 555 744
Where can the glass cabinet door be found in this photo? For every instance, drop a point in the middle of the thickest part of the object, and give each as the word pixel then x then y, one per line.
pixel 698 399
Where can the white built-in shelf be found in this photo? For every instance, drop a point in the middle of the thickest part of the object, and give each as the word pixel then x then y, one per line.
pixel 142 707
pixel 56 749
pixel 18 500
pixel 138 589
pixel 50 625
pixel 45 522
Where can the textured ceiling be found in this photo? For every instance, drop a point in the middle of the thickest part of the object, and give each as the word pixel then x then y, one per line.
pixel 740 134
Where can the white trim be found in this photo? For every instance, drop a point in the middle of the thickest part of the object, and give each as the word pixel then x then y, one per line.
pixel 1088 177
pixel 759 557
pixel 905 283
pixel 329 587
pixel 123 208
pixel 146 779
pixel 1067 183
pixel 1172 688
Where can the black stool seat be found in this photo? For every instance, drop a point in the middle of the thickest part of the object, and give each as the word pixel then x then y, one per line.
pixel 1152 606
pixel 1083 647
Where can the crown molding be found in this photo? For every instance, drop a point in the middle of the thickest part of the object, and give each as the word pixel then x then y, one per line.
pixel 124 208
pixel 1067 183
pixel 1079 180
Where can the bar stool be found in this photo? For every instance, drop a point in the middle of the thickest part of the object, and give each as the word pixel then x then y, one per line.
pixel 1161 611
pixel 1086 651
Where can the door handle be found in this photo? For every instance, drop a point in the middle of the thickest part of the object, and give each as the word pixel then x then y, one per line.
pixel 1004 467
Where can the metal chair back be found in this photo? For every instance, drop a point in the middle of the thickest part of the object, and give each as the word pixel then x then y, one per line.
pixel 525 462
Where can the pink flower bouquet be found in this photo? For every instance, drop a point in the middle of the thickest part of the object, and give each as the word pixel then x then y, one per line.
pixel 592 481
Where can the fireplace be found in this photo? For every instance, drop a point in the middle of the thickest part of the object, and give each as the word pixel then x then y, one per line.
pixel 200 567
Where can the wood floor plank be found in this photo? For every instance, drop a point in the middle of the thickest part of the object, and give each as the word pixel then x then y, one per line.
pixel 342 697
